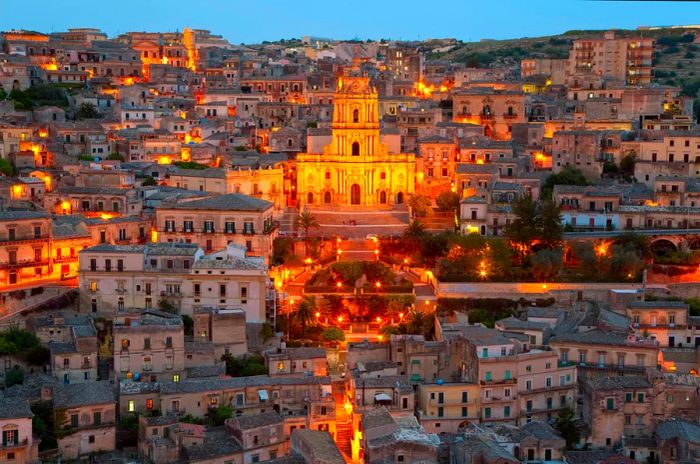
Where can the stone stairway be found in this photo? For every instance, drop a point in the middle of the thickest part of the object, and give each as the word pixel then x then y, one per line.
pixel 343 437
pixel 351 222
pixel 286 219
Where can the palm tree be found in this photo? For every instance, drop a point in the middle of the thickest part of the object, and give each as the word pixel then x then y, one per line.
pixel 306 220
pixel 305 312
pixel 420 323
pixel 415 230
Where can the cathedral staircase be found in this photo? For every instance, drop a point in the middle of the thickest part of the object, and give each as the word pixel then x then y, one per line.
pixel 438 222
pixel 357 222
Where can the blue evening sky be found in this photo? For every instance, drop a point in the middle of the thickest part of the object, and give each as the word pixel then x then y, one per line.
pixel 256 20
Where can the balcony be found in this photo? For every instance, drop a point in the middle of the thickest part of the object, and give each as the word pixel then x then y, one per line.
pixel 498 399
pixel 19 240
pixel 488 116
pixel 65 259
pixel 499 381
pixel 20 444
pixel 24 263
pixel 510 115
pixel 536 391
pixel 121 291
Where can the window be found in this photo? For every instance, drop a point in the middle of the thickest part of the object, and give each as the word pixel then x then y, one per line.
pixel 487 413
pixel 487 376
pixel 610 404
pixel 74 420
pixel 506 411
pixel 528 385
pixel 640 397
pixel 176 377
pixel 97 418
pixel 10 437
pixel 465 397
pixel 628 397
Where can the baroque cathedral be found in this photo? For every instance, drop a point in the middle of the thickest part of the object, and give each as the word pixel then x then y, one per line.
pixel 359 166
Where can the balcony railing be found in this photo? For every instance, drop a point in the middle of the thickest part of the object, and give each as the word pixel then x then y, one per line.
pixel 17 240
pixel 24 263
pixel 20 444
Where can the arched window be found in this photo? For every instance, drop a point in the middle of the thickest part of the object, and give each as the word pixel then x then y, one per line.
pixel 510 111
pixel 310 198
pixel 487 110
pixel 289 142
pixel 328 175
pixel 355 148
pixel 399 198
pixel 382 176
pixel 355 115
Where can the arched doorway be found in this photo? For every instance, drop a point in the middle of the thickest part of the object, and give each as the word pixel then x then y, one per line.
pixel 355 194
pixel 310 198
pixel 356 115
pixel 382 197
pixel 355 148
pixel 399 198
pixel 327 197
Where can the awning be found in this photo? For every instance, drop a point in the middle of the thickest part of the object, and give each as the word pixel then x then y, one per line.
pixel 382 397
pixel 262 394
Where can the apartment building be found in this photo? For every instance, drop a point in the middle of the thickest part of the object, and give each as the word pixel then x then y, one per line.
pixel 448 406
pixel 179 274
pixel 75 360
pixel 85 418
pixel 309 397
pixel 617 407
pixel 225 329
pixel 18 444
pixel 148 345
pixel 495 109
pixel 297 361
pixel 604 352
pixel 261 436
pixel 25 247
pixel 664 321
pixel 624 59
pixel 215 222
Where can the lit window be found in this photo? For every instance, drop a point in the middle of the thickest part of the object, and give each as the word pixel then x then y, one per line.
pixel 131 405
pixel 176 377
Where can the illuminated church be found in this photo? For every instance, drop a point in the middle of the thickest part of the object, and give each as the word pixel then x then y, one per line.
pixel 358 165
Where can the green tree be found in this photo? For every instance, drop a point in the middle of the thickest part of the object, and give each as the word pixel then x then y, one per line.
pixel 115 157
pixel 546 264
pixel 567 176
pixel 522 230
pixel 267 332
pixel 448 201
pixel 305 311
pixel 306 221
pixel 218 417
pixel 627 164
pixel 420 323
pixel 37 356
pixel 87 111
pixel 15 376
pixel 415 230
pixel 567 426
pixel 188 325
pixel 499 259
pixel 167 306
pixel 549 223
pixel 421 205
pixel 333 334
pixel 388 330
pixel 6 168
pixel 149 181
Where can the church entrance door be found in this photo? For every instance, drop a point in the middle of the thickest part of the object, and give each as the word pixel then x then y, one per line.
pixel 355 194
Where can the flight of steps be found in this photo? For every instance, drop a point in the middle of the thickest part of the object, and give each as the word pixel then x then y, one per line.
pixel 343 437
pixel 358 222
pixel 438 222
pixel 286 220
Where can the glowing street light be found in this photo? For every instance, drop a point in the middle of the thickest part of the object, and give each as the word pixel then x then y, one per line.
pixel 308 260
pixel 340 318
pixel 318 314
pixel 339 284
pixel 378 284
pixel 401 316
pixel 379 319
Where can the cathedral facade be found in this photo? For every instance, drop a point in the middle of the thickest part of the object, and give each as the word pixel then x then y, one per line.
pixel 356 167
